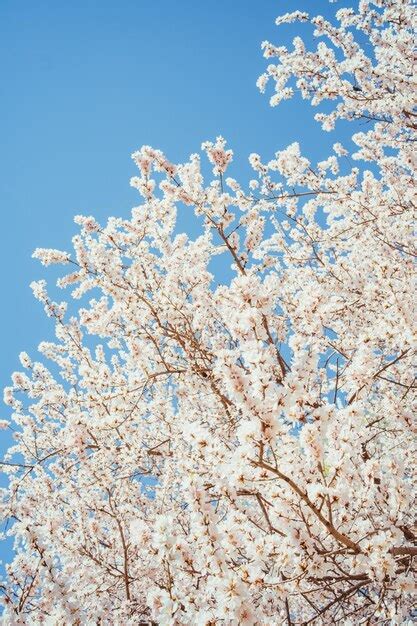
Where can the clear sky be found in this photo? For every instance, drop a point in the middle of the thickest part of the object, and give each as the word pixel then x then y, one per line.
pixel 84 83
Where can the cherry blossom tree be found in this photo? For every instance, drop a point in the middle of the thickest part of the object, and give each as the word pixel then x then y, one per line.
pixel 242 453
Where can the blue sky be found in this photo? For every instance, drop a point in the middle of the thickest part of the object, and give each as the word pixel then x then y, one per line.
pixel 85 83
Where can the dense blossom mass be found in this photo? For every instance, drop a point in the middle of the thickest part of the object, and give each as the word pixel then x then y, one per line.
pixel 200 453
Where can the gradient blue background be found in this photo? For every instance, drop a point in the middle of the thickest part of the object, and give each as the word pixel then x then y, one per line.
pixel 86 82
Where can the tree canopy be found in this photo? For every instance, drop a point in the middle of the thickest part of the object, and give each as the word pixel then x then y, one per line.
pixel 238 453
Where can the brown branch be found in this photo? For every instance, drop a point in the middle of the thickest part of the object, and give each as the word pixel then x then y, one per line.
pixel 404 551
pixel 341 538
pixel 339 598
pixel 386 366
